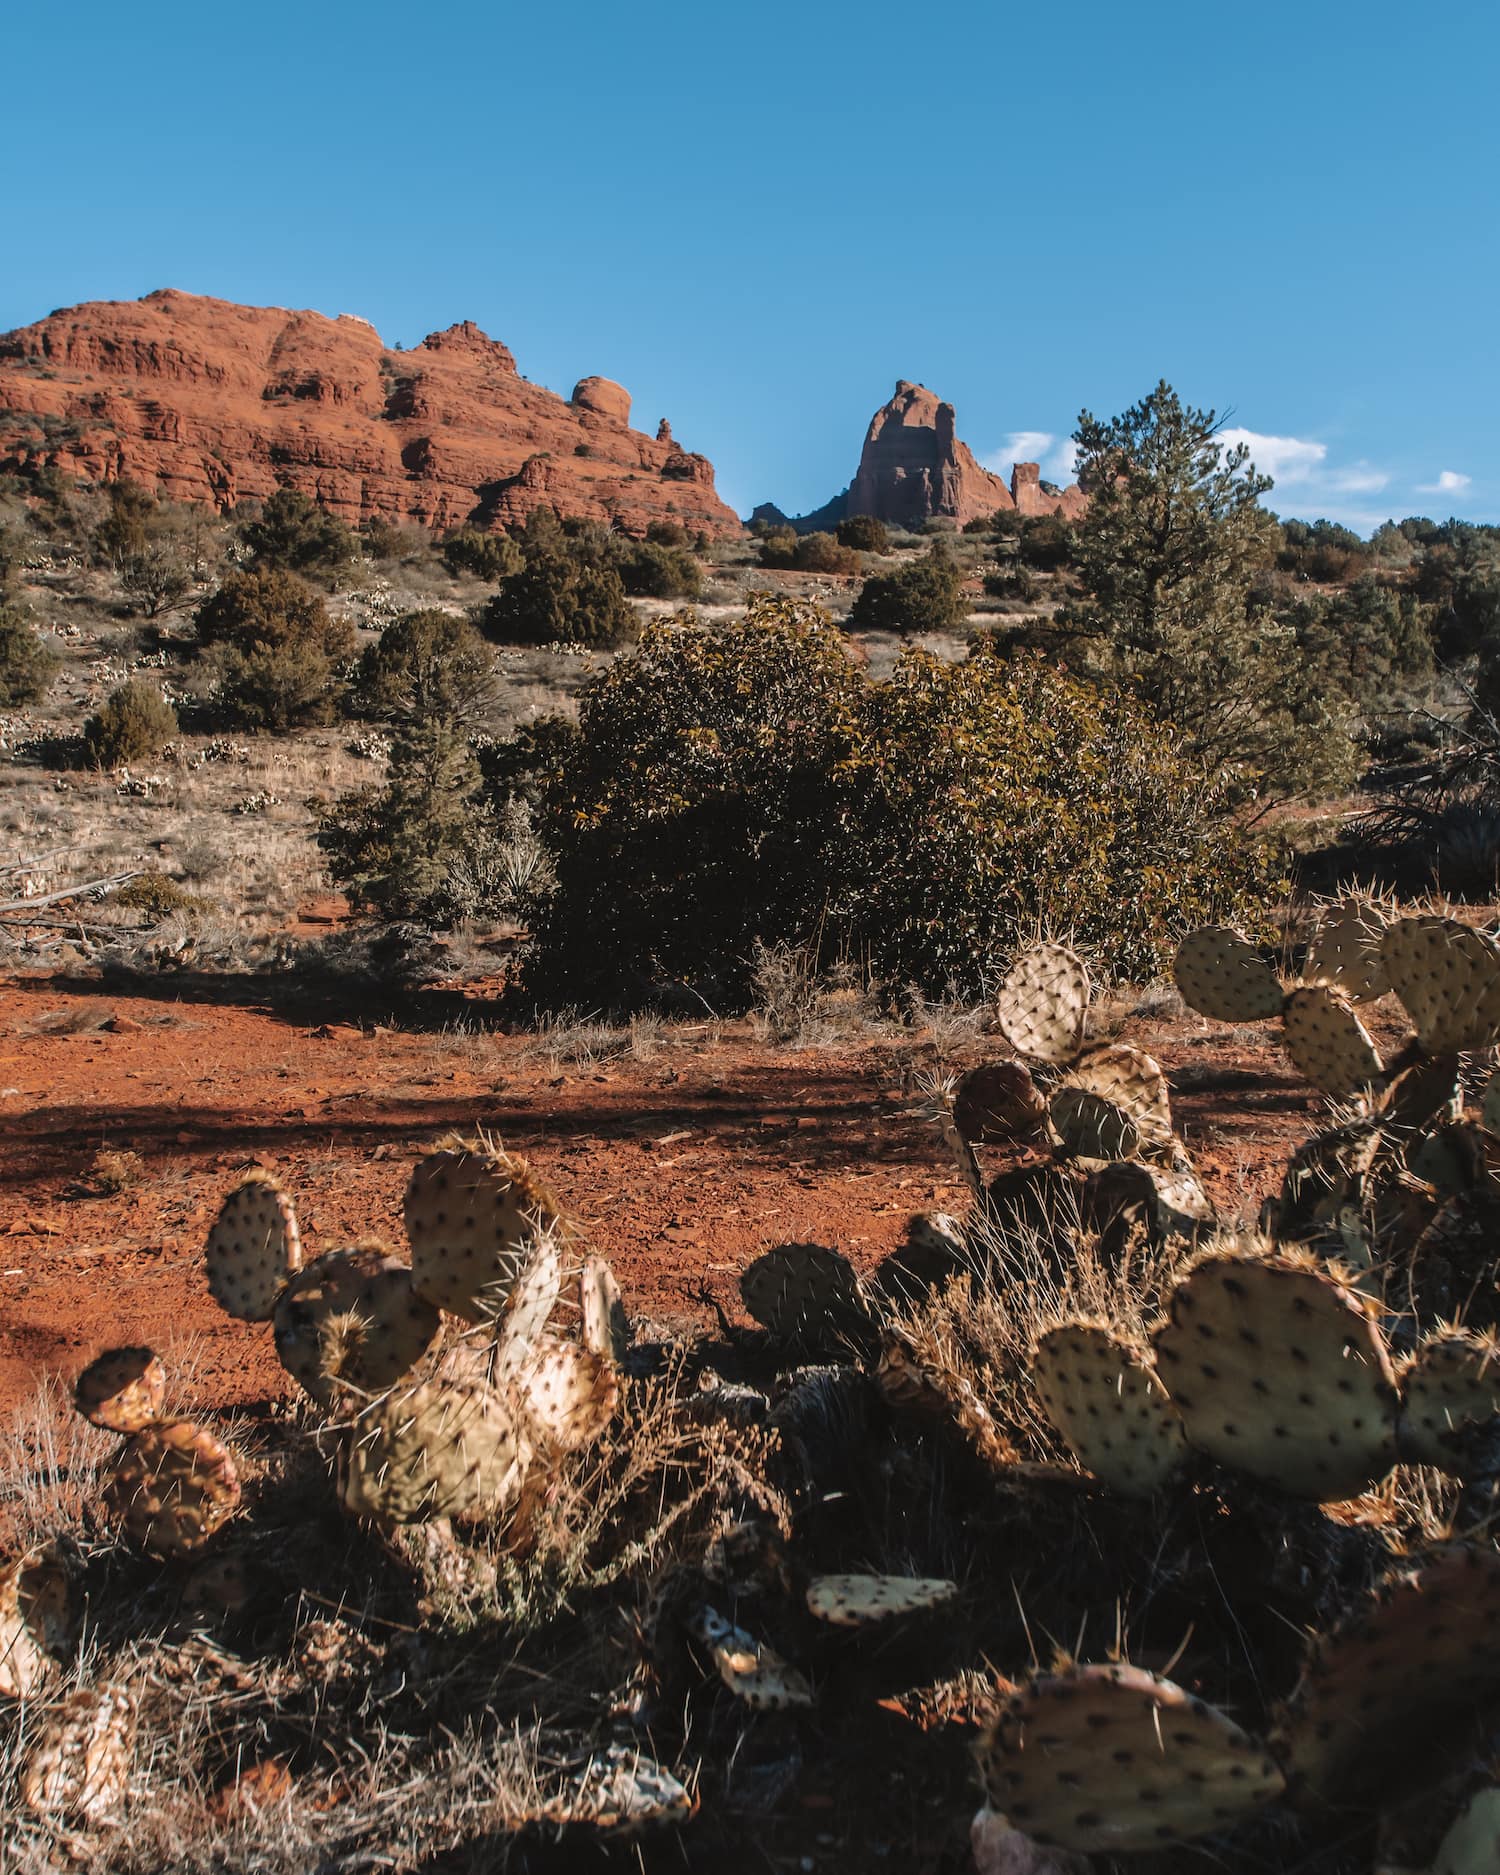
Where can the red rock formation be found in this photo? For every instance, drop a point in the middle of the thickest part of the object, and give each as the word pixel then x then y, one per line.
pixel 914 467
pixel 210 401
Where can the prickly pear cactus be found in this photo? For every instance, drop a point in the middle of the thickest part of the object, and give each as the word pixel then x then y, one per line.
pixel 472 1216
pixel 1118 1198
pixel 1451 1384
pixel 1105 1400
pixel 1132 1081
pixel 352 1316
pixel 121 1389
pixel 1042 1006
pixel 1223 976
pixel 1388 1699
pixel 79 1767
pixel 174 1485
pixel 1447 976
pixel 750 1669
pixel 1327 1042
pixel 528 1308
pixel 1106 1759
pixel 1087 1126
pixel 253 1247
pixel 567 1395
pixel 39 1620
pixel 1279 1369
pixel 998 1104
pixel 1345 950
pixel 860 1601
pixel 445 1448
pixel 603 1328
pixel 806 1294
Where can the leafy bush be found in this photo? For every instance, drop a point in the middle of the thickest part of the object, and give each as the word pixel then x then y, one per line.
pixel 294 534
pixel 427 666
pixel 558 597
pixel 778 546
pixel 864 533
pixel 668 534
pixel 822 553
pixel 127 524
pixel 158 895
pixel 27 666
pixel 277 649
pixel 135 723
pixel 157 577
pixel 924 596
pixel 388 540
pixel 485 556
pixel 650 570
pixel 1047 542
pixel 741 783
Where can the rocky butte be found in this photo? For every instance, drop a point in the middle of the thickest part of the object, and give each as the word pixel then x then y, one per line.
pixel 913 467
pixel 209 401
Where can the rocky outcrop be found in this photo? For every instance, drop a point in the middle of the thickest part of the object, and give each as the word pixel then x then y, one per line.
pixel 209 401
pixel 913 467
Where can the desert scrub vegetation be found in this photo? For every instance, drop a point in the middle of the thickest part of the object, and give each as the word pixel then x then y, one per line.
pixel 275 649
pixel 135 723
pixel 519 1579
pixel 744 782
pixel 923 597
pixel 27 666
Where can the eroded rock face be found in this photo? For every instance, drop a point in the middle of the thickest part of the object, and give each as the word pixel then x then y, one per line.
pixel 913 467
pixel 210 401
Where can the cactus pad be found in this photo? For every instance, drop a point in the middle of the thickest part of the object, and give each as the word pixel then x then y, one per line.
pixel 1425 1093
pixel 253 1248
pixel 528 1308
pixel 1168 1203
pixel 1112 1759
pixel 568 1395
pixel 1327 1042
pixel 1113 1413
pixel 1223 976
pixel 604 1328
pixel 1043 1004
pixel 122 1390
pixel 620 1793
pixel 1394 1691
pixel 353 1316
pixel 473 1216
pixel 748 1667
pixel 805 1293
pixel 1447 976
pixel 1453 1383
pixel 39 1620
pixel 1090 1127
pixel 1346 950
pixel 446 1448
pixel 1130 1079
pixel 998 1104
pixel 174 1484
pixel 1279 1370
pixel 79 1767
pixel 862 1601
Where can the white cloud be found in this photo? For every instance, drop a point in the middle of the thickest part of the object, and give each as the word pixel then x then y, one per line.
pixel 1057 456
pixel 1450 482
pixel 1286 459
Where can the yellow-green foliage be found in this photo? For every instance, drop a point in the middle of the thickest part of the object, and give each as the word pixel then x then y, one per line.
pixel 744 780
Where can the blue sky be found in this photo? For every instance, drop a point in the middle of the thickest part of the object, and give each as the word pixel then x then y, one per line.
pixel 758 218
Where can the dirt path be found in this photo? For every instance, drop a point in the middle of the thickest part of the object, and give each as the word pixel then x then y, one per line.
pixel 683 1166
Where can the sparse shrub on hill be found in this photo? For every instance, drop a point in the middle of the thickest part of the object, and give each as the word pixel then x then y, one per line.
pixel 649 570
pixel 864 533
pixel 276 647
pixel 293 533
pixel 924 596
pixel 1047 542
pixel 427 666
pixel 742 783
pixel 668 534
pixel 785 548
pixel 135 723
pixel 486 556
pixel 27 666
pixel 558 597
pixel 1321 550
pixel 127 524
pixel 384 539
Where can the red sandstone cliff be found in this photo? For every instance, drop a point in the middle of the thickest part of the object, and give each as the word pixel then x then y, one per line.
pixel 913 466
pixel 211 401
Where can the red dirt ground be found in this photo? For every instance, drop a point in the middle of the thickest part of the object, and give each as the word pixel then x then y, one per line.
pixel 683 1167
